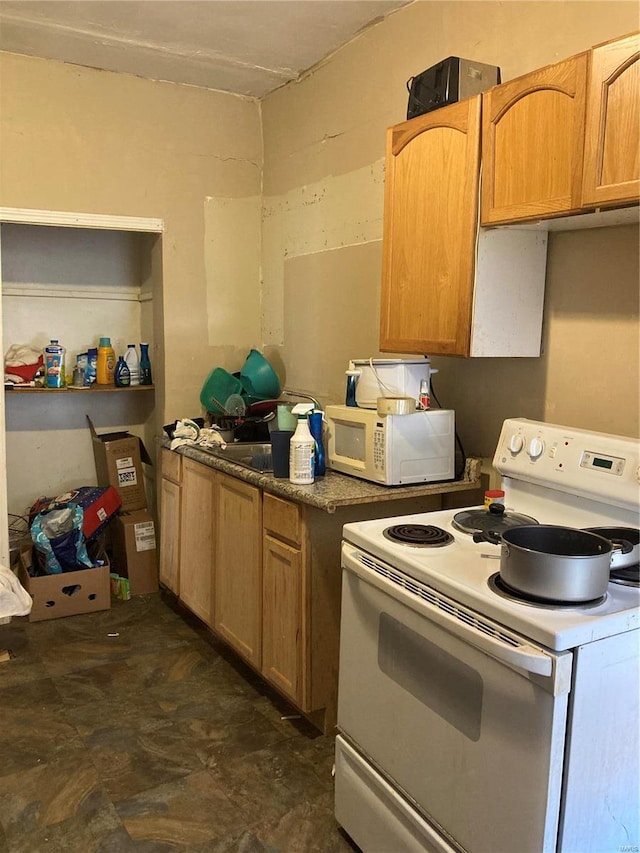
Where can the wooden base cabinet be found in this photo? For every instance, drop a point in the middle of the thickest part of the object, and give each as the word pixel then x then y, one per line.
pixel 170 505
pixel 237 589
pixel 197 519
pixel 264 574
pixel 285 591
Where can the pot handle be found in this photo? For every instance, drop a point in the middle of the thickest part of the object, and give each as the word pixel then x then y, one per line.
pixel 622 546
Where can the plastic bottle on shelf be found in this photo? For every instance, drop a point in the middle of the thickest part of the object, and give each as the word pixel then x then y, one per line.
pixel 90 373
pixel 301 454
pixel 315 428
pixel 122 375
pixel 145 366
pixel 106 363
pixel 133 363
pixel 54 355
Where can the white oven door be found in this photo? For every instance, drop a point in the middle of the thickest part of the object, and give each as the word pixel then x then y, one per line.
pixel 464 717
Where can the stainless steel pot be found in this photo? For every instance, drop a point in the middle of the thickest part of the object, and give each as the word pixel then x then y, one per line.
pixel 625 542
pixel 555 563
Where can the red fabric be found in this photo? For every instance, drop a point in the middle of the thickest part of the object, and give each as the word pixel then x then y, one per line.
pixel 26 372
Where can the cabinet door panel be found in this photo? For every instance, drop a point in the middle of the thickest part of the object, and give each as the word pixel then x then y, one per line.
pixel 238 567
pixel 170 500
pixel 612 149
pixel 196 538
pixel 533 142
pixel 284 641
pixel 430 214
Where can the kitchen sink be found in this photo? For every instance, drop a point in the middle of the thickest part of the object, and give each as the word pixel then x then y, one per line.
pixel 255 455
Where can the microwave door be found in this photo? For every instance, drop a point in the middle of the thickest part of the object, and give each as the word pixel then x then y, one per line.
pixel 421 446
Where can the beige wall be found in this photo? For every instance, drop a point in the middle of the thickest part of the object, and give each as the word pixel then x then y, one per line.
pixel 323 189
pixel 80 140
pixel 77 139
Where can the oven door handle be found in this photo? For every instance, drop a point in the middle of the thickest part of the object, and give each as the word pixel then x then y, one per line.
pixel 476 630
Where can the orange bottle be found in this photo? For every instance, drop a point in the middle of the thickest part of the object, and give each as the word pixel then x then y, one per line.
pixel 106 364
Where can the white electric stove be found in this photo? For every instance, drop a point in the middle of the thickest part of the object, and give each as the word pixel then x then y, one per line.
pixel 472 720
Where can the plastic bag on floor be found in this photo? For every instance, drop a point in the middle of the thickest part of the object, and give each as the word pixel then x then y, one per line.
pixel 57 535
pixel 14 599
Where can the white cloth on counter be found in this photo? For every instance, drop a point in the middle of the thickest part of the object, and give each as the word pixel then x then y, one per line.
pixel 188 432
pixel 14 599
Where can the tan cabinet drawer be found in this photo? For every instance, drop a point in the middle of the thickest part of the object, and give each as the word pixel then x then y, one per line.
pixel 171 465
pixel 282 518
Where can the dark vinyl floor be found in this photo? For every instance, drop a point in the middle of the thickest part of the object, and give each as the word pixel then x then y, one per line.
pixel 132 729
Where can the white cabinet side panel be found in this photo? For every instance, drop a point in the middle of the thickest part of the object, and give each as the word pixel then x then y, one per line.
pixel 509 293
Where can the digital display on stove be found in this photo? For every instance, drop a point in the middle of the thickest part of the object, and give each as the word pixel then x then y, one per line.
pixel 602 463
pixel 611 464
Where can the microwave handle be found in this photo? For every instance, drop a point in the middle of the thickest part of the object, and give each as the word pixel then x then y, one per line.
pixel 457 621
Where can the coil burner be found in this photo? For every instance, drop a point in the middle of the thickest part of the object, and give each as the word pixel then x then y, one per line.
pixel 626 575
pixel 418 535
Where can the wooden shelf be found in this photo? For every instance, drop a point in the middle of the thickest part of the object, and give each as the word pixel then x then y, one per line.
pixel 93 389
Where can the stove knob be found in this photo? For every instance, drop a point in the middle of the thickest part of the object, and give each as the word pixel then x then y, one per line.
pixel 516 443
pixel 536 448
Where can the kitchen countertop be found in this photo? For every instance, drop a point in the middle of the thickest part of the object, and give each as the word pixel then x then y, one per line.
pixel 334 490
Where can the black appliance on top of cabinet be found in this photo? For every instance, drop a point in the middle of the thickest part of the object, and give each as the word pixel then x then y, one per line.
pixel 451 80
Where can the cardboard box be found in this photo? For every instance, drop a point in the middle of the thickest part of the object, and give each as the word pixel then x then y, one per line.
pixel 119 457
pixel 134 550
pixel 66 594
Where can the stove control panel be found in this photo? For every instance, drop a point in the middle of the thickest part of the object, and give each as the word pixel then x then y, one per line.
pixel 595 465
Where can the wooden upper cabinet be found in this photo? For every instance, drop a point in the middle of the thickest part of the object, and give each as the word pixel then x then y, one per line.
pixel 612 158
pixel 533 143
pixel 430 220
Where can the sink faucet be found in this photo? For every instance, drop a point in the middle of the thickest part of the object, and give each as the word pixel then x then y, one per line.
pixel 304 397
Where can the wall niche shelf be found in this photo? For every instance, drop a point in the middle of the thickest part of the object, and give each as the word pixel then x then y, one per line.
pixel 20 390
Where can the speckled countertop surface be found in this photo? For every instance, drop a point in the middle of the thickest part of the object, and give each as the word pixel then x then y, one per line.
pixel 333 490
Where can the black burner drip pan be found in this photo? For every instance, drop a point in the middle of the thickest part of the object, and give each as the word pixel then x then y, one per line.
pixel 626 575
pixel 418 535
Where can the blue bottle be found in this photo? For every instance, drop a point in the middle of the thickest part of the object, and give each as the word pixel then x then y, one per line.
pixel 350 399
pixel 122 374
pixel 145 365
pixel 315 428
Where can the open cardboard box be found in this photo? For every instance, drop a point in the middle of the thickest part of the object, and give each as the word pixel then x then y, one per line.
pixel 66 594
pixel 119 457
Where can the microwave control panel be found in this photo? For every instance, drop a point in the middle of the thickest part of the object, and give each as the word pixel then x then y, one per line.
pixel 379 444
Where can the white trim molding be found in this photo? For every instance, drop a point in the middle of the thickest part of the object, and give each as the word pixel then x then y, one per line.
pixel 80 220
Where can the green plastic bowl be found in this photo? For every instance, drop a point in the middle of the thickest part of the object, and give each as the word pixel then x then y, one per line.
pixel 258 378
pixel 218 387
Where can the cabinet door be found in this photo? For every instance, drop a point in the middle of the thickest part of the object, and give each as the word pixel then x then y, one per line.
pixel 284 636
pixel 196 537
pixel 170 499
pixel 238 561
pixel 612 158
pixel 430 215
pixel 533 143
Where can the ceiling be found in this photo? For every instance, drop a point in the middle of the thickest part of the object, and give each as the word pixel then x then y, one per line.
pixel 249 47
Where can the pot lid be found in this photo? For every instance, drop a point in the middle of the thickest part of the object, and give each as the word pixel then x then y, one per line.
pixel 495 519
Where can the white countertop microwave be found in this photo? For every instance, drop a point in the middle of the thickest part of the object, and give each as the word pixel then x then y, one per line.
pixel 392 450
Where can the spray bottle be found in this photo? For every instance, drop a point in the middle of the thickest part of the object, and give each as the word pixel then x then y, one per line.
pixel 302 448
